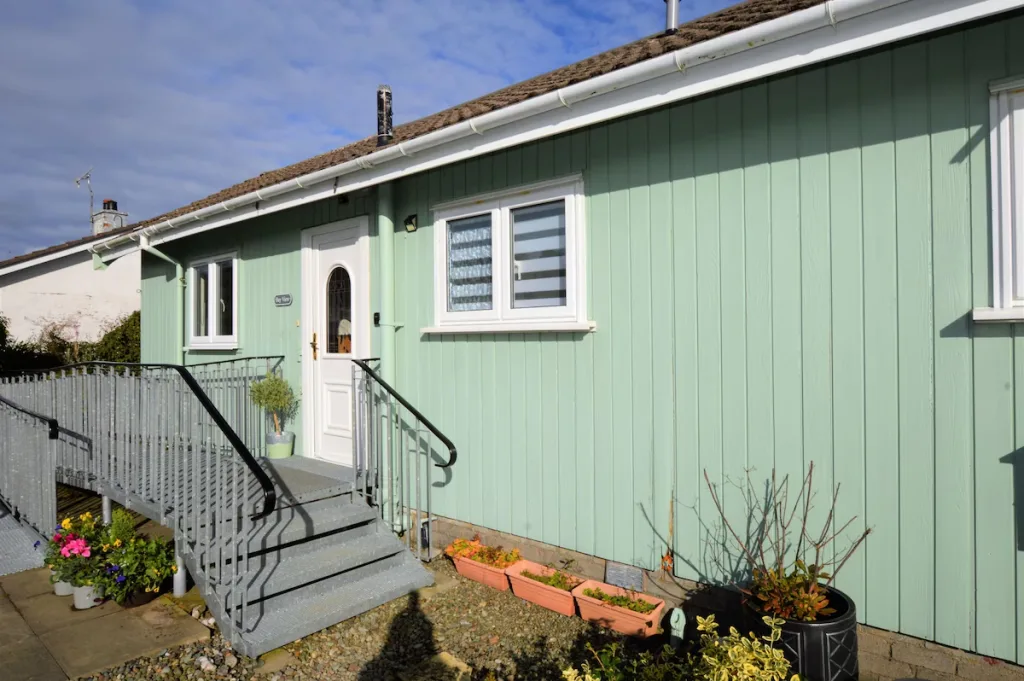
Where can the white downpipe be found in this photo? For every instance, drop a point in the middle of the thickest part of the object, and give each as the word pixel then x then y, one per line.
pixel 830 13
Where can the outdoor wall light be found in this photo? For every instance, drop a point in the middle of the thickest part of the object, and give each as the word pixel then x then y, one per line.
pixel 410 223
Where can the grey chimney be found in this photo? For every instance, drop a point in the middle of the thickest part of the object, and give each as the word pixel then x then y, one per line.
pixel 385 128
pixel 671 15
pixel 108 219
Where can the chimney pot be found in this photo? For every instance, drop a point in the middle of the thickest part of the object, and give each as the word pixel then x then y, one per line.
pixel 385 128
pixel 671 16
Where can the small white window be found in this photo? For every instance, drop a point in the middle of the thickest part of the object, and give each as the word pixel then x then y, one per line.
pixel 1007 155
pixel 511 261
pixel 213 322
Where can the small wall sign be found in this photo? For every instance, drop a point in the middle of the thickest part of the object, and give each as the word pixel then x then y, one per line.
pixel 625 576
pixel 283 299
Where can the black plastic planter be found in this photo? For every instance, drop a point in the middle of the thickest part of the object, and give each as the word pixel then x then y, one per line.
pixel 824 650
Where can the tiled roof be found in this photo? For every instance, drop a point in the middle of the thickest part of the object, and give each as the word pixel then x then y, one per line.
pixel 50 250
pixel 734 18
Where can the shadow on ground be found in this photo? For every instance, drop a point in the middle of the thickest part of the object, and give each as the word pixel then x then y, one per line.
pixel 410 652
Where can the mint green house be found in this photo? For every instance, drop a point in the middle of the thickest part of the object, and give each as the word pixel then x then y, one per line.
pixel 787 232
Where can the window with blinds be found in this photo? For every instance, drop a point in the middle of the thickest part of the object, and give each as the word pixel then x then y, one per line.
pixel 470 278
pixel 538 256
pixel 511 261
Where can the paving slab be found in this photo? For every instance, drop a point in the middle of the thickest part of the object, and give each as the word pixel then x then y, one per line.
pixel 23 585
pixel 88 647
pixel 13 628
pixel 29 660
pixel 47 612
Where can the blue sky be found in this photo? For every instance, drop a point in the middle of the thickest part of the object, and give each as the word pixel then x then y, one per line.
pixel 171 101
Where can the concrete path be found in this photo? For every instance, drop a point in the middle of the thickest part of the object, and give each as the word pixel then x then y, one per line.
pixel 17 551
pixel 43 639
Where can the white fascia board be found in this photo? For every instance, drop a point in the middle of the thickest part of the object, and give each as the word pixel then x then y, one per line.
pixel 49 257
pixel 835 29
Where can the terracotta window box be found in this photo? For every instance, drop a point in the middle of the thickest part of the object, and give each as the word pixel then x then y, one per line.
pixel 479 572
pixel 622 620
pixel 539 593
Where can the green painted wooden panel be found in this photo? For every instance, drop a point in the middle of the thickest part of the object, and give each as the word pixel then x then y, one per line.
pixel 881 386
pixel 158 290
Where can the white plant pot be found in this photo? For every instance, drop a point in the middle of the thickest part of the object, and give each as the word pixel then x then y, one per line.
pixel 61 588
pixel 87 596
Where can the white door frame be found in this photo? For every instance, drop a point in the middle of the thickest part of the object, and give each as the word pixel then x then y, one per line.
pixel 360 340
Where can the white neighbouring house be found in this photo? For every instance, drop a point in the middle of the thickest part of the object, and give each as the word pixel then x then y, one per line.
pixel 59 285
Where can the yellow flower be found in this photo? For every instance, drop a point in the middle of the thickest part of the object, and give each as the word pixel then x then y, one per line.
pixel 174 569
pixel 117 542
pixel 106 547
pixel 66 523
pixel 156 589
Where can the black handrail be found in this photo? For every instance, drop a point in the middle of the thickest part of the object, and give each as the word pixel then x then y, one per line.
pixel 234 359
pixel 269 493
pixel 50 422
pixel 452 453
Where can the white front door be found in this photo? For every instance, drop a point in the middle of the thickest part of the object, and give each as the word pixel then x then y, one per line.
pixel 336 320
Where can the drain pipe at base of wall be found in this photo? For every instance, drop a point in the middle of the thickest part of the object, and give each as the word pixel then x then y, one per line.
pixel 180 583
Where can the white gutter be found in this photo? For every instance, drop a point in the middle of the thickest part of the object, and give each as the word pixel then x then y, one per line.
pixel 920 16
pixel 39 260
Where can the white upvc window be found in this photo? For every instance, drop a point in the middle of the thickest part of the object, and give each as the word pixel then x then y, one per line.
pixel 213 303
pixel 1007 185
pixel 512 261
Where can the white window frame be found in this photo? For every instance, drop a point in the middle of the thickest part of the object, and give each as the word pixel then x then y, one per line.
pixel 213 341
pixel 1006 149
pixel 503 317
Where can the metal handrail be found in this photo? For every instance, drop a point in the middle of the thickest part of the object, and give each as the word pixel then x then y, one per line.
pixel 269 493
pixel 51 423
pixel 235 359
pixel 452 453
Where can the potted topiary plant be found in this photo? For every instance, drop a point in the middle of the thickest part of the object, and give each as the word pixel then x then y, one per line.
pixel 484 564
pixel 274 395
pixel 791 576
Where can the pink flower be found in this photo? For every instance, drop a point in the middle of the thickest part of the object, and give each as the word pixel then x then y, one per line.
pixel 57 537
pixel 76 547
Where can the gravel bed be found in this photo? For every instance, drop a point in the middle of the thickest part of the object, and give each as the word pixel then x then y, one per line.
pixel 500 636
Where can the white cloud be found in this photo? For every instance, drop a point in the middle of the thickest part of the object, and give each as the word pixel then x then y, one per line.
pixel 172 101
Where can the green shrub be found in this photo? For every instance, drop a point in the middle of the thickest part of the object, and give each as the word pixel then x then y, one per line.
pixel 636 604
pixel 614 662
pixel 739 658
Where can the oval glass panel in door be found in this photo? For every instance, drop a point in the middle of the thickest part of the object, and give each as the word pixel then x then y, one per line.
pixel 339 312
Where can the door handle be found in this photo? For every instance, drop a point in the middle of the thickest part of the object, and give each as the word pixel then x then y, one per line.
pixel 314 346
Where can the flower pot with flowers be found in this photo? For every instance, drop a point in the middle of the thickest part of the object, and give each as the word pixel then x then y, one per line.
pixel 76 560
pixel 792 569
pixel 135 568
pixel 55 562
pixel 484 564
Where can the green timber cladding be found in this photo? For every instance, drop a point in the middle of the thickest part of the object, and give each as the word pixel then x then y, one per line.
pixel 779 273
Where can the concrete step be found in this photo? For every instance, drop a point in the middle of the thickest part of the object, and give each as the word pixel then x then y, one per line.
pixel 295 614
pixel 273 573
pixel 290 524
